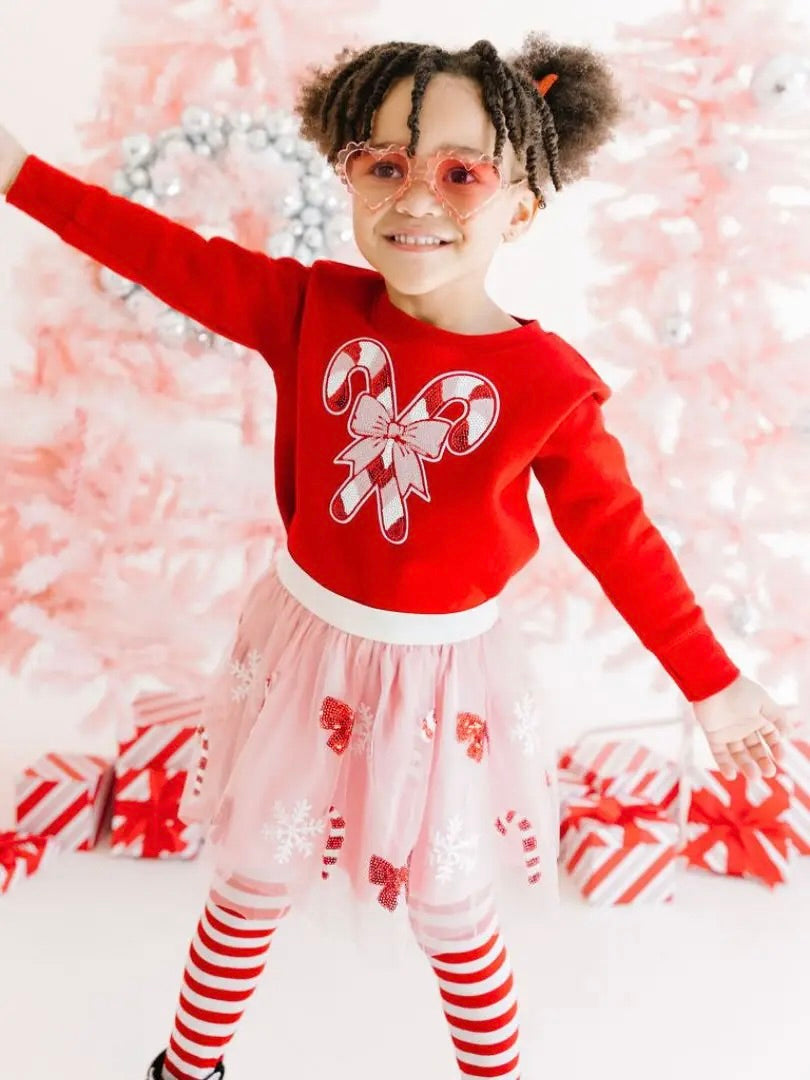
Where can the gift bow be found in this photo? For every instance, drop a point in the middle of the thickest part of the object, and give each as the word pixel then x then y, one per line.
pixel 15 846
pixel 392 878
pixel 737 827
pixel 623 812
pixel 375 423
pixel 155 819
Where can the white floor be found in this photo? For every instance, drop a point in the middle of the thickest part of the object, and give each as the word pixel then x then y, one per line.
pixel 712 986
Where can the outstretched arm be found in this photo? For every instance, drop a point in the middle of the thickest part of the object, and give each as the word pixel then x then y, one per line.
pixel 243 295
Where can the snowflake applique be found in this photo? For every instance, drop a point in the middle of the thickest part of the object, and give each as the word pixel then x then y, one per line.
pixel 361 731
pixel 244 674
pixel 527 729
pixel 293 830
pixel 453 852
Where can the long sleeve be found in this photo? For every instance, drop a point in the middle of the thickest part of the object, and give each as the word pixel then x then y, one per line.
pixel 600 515
pixel 244 295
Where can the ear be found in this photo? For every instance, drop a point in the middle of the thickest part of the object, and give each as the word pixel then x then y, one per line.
pixel 522 216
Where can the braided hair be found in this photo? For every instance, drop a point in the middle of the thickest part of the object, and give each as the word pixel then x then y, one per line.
pixel 552 136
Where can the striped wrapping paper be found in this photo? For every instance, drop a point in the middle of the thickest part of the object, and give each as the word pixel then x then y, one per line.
pixel 740 849
pixel 622 767
pixel 145 822
pixel 23 855
pixel 795 766
pixel 609 868
pixel 165 729
pixel 65 796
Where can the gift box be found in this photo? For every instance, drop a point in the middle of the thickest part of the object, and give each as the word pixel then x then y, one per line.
pixel 738 827
pixel 165 726
pixel 65 796
pixel 145 823
pixel 620 850
pixel 622 767
pixel 795 767
pixel 22 855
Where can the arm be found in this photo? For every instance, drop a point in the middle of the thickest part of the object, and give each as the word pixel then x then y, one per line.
pixel 243 295
pixel 600 515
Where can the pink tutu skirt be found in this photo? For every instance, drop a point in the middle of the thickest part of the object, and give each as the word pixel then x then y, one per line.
pixel 394 760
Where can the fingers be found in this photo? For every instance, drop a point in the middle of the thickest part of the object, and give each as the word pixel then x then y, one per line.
pixel 759 752
pixel 773 740
pixel 752 756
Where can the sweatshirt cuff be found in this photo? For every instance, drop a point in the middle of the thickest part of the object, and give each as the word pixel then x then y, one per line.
pixel 45 193
pixel 699 665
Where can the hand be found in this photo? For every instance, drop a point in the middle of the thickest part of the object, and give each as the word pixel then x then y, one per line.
pixel 12 157
pixel 744 727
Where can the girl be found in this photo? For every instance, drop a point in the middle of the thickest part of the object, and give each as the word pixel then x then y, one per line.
pixel 377 714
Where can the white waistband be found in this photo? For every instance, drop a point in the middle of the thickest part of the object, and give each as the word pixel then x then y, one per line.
pixel 394 627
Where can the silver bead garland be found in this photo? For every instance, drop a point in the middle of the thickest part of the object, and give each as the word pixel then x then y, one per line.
pixel 316 211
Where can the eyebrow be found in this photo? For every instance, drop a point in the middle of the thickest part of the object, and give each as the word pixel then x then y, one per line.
pixel 444 148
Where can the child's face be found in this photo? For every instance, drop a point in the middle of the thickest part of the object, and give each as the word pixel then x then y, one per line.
pixel 452 115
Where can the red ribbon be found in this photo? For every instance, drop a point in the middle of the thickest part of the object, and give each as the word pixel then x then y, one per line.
pixel 338 717
pixel 739 827
pixel 544 85
pixel 155 819
pixel 472 727
pixel 15 846
pixel 612 811
pixel 392 879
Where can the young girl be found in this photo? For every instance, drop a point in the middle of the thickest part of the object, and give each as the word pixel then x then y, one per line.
pixel 377 717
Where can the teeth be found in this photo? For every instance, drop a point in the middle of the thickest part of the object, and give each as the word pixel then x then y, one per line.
pixel 423 241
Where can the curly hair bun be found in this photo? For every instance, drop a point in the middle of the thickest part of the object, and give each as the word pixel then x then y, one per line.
pixel 584 99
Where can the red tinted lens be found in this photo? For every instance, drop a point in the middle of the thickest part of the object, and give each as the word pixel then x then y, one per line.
pixel 466 187
pixel 376 177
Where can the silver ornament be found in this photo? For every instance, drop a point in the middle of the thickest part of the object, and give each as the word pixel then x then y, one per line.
pixel 281 246
pixel 136 149
pixel 314 208
pixel 782 82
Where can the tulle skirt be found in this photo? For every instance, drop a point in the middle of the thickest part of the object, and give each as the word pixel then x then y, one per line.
pixel 376 764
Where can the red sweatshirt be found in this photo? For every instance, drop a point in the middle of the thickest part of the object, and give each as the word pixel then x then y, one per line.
pixel 404 452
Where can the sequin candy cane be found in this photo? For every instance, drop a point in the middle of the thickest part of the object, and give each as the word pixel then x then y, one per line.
pixel 389 448
pixel 337 834
pixel 202 761
pixel 532 859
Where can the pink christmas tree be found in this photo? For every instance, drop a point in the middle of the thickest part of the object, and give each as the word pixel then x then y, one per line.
pixel 707 225
pixel 136 477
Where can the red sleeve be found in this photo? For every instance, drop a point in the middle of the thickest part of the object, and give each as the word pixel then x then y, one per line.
pixel 600 515
pixel 244 295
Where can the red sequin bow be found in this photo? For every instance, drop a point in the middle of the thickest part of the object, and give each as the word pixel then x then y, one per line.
pixel 473 728
pixel 155 819
pixel 392 879
pixel 739 827
pixel 613 811
pixel 544 85
pixel 337 717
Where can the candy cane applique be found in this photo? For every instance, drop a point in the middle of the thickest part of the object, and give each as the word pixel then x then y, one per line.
pixel 390 447
pixel 528 841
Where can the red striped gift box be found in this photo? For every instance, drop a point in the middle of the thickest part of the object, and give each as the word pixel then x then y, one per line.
pixel 796 767
pixel 145 823
pixel 165 729
pixel 620 850
pixel 623 767
pixel 737 827
pixel 22 855
pixel 65 796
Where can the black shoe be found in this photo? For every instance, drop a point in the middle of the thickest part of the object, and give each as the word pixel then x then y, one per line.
pixel 156 1069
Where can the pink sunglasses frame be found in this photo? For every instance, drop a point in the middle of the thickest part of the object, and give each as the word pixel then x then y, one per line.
pixel 428 170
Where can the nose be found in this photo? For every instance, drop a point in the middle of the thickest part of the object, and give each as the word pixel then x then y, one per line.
pixel 418 199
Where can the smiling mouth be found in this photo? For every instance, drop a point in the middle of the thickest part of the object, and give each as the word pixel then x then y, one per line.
pixel 417 245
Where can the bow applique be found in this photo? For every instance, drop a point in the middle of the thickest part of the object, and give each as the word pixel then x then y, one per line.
pixel 337 717
pixel 392 879
pixel 472 728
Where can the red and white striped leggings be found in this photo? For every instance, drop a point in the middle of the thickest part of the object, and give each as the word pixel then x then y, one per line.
pixel 229 951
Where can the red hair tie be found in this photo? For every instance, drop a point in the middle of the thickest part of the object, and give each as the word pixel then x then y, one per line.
pixel 544 85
